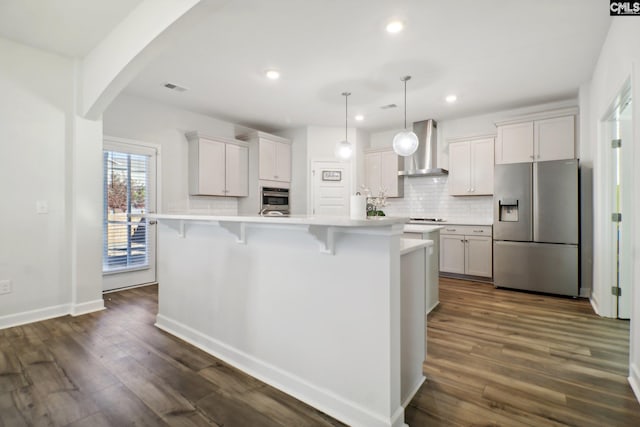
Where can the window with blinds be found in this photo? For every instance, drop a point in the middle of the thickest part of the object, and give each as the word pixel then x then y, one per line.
pixel 125 201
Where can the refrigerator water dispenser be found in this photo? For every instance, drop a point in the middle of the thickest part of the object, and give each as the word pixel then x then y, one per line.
pixel 508 210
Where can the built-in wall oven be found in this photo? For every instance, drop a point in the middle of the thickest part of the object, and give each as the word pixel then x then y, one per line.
pixel 275 200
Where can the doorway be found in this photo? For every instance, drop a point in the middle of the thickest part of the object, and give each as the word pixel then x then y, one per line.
pixel 618 127
pixel 129 239
pixel 331 187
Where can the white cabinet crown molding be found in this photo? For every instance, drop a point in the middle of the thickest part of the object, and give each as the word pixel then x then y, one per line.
pixel 262 135
pixel 378 150
pixel 195 135
pixel 470 138
pixel 540 116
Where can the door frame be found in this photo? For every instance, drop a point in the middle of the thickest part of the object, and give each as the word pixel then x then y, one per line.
pixel 131 145
pixel 606 304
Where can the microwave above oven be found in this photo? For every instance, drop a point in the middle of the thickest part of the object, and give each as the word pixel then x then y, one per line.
pixel 275 199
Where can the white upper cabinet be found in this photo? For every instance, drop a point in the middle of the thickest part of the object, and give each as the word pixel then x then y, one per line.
pixel 217 166
pixel 389 179
pixel 381 172
pixel 471 167
pixel 372 166
pixel 515 143
pixel 208 175
pixel 554 139
pixel 547 137
pixel 275 159
pixel 237 170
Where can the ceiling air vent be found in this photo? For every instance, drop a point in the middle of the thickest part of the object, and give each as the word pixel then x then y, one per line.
pixel 175 87
pixel 386 107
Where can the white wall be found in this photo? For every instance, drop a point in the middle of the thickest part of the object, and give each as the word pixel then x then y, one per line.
pixel 321 142
pixel 34 127
pixel 619 59
pixel 299 170
pixel 139 119
pixel 382 139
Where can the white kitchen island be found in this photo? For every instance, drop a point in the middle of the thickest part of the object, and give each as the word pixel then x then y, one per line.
pixel 312 306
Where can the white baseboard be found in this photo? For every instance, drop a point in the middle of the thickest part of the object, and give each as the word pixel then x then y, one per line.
pixel 413 392
pixel 585 293
pixel 634 380
pixel 326 401
pixel 87 307
pixel 126 288
pixel 31 316
pixel 41 314
pixel 594 304
pixel 430 309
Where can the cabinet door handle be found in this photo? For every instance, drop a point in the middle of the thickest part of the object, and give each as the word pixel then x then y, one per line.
pixel 463 240
pixel 478 231
pixel 532 157
pixel 451 229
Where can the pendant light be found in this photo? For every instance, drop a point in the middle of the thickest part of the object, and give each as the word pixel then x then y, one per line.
pixel 405 142
pixel 344 149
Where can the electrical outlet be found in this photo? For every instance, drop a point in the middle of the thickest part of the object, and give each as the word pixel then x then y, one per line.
pixel 5 287
pixel 42 207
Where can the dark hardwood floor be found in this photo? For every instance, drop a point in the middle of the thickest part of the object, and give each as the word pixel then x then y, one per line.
pixel 500 357
pixel 495 357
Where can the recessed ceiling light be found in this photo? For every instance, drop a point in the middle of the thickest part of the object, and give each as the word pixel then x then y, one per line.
pixel 359 117
pixel 394 26
pixel 451 99
pixel 272 74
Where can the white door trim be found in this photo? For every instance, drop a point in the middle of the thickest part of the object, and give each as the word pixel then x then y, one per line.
pixel 112 143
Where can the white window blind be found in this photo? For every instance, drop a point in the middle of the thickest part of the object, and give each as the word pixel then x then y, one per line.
pixel 126 199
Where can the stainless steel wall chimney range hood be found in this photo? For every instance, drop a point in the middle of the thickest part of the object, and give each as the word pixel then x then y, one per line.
pixel 425 160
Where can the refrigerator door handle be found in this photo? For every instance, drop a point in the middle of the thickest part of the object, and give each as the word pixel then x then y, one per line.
pixel 536 203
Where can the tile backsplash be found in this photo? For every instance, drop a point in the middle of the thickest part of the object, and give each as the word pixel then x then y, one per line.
pixel 428 196
pixel 205 205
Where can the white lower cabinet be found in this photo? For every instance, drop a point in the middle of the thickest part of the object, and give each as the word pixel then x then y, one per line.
pixel 452 253
pixel 478 256
pixel 466 250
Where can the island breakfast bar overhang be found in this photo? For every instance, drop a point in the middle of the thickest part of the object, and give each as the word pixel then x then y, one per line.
pixel 311 306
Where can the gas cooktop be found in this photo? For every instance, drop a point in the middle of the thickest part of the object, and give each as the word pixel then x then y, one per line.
pixel 427 220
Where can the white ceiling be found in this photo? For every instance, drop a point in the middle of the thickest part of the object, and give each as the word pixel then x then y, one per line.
pixel 68 27
pixel 494 54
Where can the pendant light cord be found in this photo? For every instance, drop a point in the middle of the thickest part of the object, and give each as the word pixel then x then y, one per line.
pixel 405 104
pixel 404 79
pixel 346 113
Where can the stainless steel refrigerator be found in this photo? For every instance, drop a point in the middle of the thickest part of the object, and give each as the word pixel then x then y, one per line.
pixel 537 227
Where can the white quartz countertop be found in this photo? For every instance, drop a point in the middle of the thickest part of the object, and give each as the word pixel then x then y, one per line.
pixel 467 222
pixel 289 220
pixel 410 245
pixel 419 228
